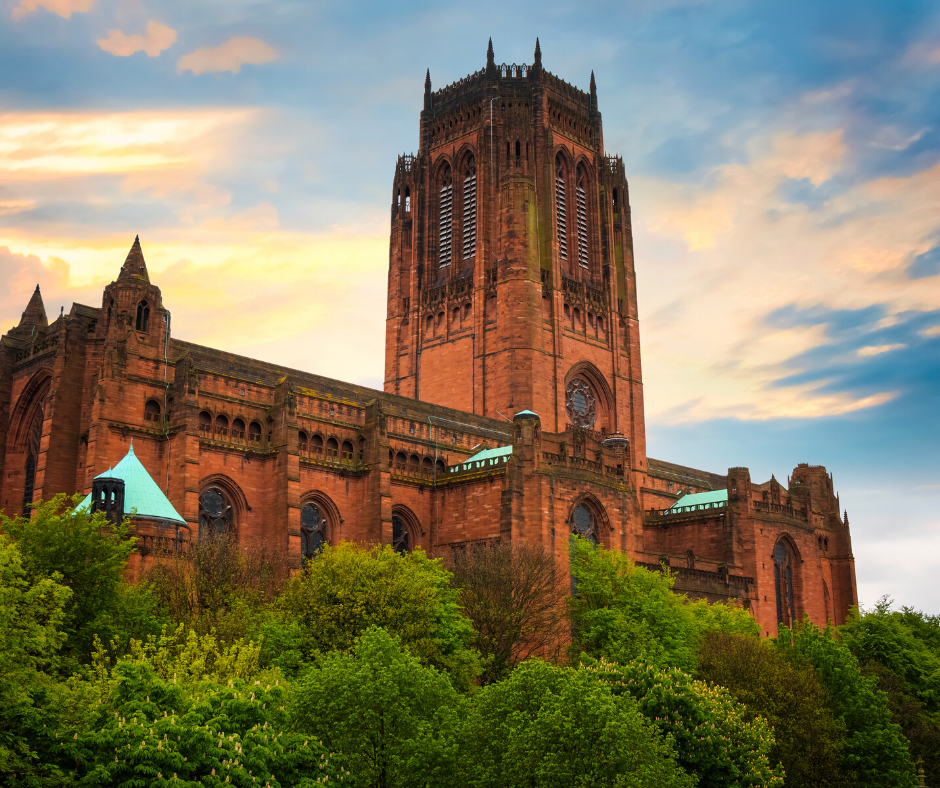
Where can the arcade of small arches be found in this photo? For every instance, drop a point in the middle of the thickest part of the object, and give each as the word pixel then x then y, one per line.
pixel 222 429
pixel 414 465
pixel 585 322
pixel 332 449
pixel 461 317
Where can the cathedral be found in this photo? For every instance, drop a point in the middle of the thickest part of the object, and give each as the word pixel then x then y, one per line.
pixel 512 406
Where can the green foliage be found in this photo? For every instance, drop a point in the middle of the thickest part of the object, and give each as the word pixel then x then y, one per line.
pixel 901 651
pixel 716 740
pixel 550 727
pixel 875 753
pixel 395 719
pixel 625 613
pixel 156 732
pixel 348 589
pixel 31 615
pixel 89 555
pixel 785 691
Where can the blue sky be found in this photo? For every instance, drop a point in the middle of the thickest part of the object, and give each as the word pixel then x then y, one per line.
pixel 784 167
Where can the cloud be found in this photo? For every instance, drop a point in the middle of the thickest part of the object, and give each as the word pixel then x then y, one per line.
pixel 230 56
pixel 874 350
pixel 158 38
pixel 64 8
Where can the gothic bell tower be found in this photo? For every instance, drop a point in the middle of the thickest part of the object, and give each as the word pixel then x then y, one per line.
pixel 511 276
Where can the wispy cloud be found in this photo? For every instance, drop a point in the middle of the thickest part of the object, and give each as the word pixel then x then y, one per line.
pixel 230 56
pixel 64 8
pixel 157 38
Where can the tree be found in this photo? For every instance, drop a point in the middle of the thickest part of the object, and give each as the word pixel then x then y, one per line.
pixel 89 554
pixel 553 727
pixel 155 732
pixel 512 594
pixel 875 753
pixel 901 651
pixel 809 741
pixel 624 613
pixel 346 589
pixel 395 720
pixel 716 740
pixel 32 612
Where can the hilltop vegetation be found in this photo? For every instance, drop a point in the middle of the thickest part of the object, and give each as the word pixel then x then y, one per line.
pixel 375 668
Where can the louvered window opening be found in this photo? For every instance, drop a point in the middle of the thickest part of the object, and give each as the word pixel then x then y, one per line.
pixel 560 211
pixel 582 227
pixel 446 222
pixel 469 215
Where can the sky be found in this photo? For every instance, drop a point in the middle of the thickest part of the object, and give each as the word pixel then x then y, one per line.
pixel 784 170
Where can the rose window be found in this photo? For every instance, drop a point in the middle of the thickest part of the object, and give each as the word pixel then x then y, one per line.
pixel 580 403
pixel 215 513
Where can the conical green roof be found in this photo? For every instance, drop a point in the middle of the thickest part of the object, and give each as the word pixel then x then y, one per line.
pixel 142 496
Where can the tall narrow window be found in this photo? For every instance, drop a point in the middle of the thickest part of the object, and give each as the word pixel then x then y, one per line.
pixel 582 221
pixel 407 199
pixel 312 532
pixel 783 585
pixel 470 210
pixel 143 316
pixel 446 214
pixel 560 212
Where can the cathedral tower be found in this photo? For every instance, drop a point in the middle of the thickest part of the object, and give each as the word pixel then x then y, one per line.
pixel 511 276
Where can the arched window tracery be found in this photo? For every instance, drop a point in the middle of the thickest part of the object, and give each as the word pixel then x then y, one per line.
pixel 561 215
pixel 254 432
pixel 143 316
pixel 470 209
pixel 152 411
pixel 313 536
pixel 583 524
pixel 205 422
pixel 33 441
pixel 238 429
pixel 216 514
pixel 445 209
pixel 221 425
pixel 783 583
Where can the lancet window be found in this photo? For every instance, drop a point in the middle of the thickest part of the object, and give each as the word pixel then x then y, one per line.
pixel 582 220
pixel 561 217
pixel 401 537
pixel 470 210
pixel 143 316
pixel 783 584
pixel 446 217
pixel 312 532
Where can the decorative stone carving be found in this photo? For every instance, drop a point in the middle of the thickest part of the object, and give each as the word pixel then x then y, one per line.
pixel 580 403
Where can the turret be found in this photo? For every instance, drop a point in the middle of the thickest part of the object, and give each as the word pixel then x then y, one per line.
pixel 34 316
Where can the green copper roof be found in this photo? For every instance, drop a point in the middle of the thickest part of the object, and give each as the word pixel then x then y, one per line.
pixel 485 458
pixel 706 500
pixel 142 496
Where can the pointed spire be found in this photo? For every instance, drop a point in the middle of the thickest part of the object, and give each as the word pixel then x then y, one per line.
pixel 134 266
pixel 35 312
pixel 593 92
pixel 427 91
pixel 131 449
pixel 846 520
pixel 537 62
pixel 490 61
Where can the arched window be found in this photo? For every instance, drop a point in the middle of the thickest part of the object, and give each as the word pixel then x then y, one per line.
pixel 413 461
pixel 316 445
pixel 302 441
pixel 33 440
pixel 440 467
pixel 582 524
pixel 783 584
pixel 582 219
pixel 151 411
pixel 446 217
pixel 238 429
pixel 254 432
pixel 561 215
pixel 221 425
pixel 401 536
pixel 455 318
pixel 518 150
pixel 615 198
pixel 407 199
pixel 348 451
pixel 205 422
pixel 470 209
pixel 332 448
pixel 312 532
pixel 216 516
pixel 143 316
pixel 581 403
pixel 401 460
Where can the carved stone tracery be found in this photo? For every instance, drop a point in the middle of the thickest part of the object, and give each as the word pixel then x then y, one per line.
pixel 580 403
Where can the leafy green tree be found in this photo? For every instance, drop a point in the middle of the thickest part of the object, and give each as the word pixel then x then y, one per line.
pixel 716 740
pixel 348 589
pixel 875 753
pixel 89 555
pixel 808 740
pixel 624 613
pixel 396 720
pixel 32 612
pixel 553 727
pixel 901 651
pixel 155 732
